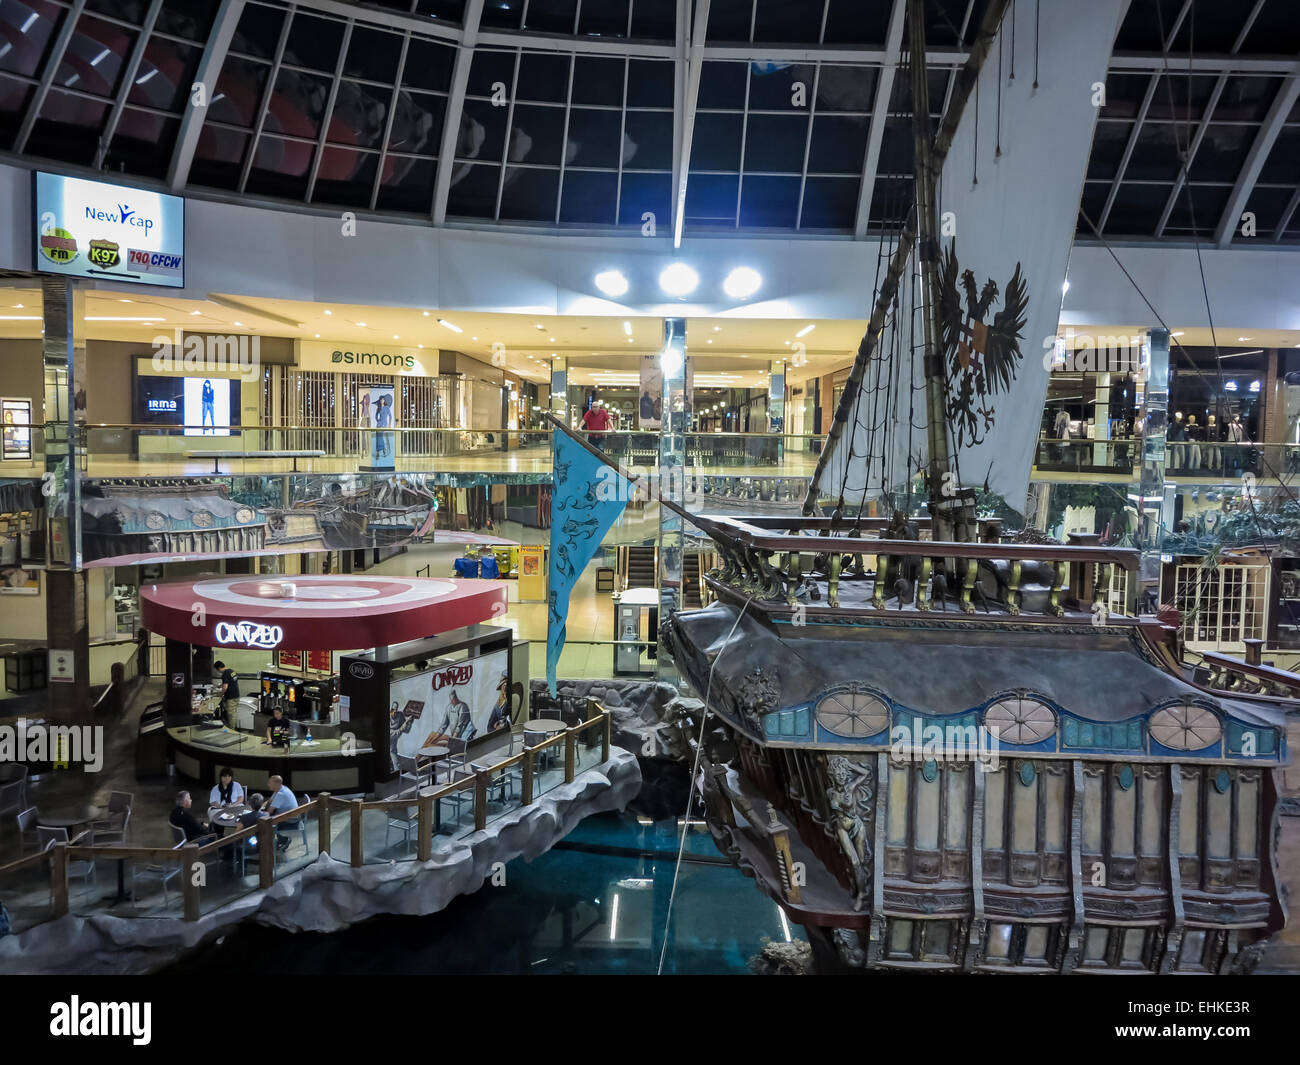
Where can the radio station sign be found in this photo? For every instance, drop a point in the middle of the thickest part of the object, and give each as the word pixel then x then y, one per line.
pixel 351 357
pixel 112 232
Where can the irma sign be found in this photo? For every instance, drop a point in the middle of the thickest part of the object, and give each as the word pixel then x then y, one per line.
pixel 249 634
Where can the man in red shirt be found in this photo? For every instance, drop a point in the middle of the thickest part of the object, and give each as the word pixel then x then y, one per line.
pixel 596 421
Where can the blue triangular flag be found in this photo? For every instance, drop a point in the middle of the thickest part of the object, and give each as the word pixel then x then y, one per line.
pixel 588 498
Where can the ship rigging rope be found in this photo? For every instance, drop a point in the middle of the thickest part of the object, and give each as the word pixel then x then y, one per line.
pixel 690 791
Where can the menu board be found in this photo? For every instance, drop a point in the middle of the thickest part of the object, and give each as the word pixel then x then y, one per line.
pixel 319 661
pixel 289 659
pixel 16 421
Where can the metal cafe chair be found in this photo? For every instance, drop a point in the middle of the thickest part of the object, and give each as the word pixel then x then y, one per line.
pixel 458 799
pixel 13 797
pixel 405 819
pixel 457 760
pixel 27 834
pixel 164 874
pixel 412 772
pixel 113 828
pixel 81 868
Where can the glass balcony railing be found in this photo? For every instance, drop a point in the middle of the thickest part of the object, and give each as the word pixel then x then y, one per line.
pixel 125 450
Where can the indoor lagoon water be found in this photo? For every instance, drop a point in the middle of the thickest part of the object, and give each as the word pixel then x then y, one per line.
pixel 597 903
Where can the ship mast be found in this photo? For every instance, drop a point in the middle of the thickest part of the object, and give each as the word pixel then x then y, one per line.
pixel 934 154
pixel 927 246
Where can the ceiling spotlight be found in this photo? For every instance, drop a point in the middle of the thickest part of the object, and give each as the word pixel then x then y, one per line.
pixel 709 341
pixel 551 339
pixel 193 312
pixel 805 331
pixel 678 280
pixel 362 324
pixel 317 336
pixel 396 337
pixel 717 329
pixel 612 283
pixel 473 338
pixel 627 328
pixel 742 282
pixel 327 311
pixel 448 325
pixel 540 326
pixel 426 314
pixel 1243 338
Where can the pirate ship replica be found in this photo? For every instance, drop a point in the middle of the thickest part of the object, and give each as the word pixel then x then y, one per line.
pixel 947 754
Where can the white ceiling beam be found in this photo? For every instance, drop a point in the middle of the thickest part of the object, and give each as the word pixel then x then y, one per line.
pixel 879 114
pixel 455 107
pixel 690 82
pixel 1255 159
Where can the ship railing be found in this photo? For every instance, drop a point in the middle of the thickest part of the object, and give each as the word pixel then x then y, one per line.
pixel 202 878
pixel 759 561
pixel 1247 677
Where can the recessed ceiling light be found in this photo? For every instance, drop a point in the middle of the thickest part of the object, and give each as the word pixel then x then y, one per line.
pixel 787 343
pixel 318 336
pixel 805 331
pixel 362 324
pixel 629 340
pixel 540 326
pixel 717 329
pixel 678 279
pixel 742 283
pixel 710 340
pixel 192 313
pixel 396 337
pixel 237 323
pixel 328 311
pixel 18 306
pixel 426 314
pixel 1243 338
pixel 473 338
pixel 123 301
pixel 611 282
pixel 420 346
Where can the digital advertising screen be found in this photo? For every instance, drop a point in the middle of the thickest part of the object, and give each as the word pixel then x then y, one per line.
pixel 114 232
pixel 206 406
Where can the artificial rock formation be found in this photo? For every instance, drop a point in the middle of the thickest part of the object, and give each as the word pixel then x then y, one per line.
pixel 328 895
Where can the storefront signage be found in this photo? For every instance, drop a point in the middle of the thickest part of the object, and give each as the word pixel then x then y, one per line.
pixel 249 633
pixel 340 357
pixel 445 678
pixel 94 229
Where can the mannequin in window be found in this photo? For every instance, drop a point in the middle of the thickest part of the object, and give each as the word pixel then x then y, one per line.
pixel 1177 434
pixel 1195 434
pixel 1212 453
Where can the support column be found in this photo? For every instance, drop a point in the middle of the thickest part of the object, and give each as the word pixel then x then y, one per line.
pixel 1150 489
pixel 560 389
pixel 673 428
pixel 64 358
pixel 1101 455
pixel 776 407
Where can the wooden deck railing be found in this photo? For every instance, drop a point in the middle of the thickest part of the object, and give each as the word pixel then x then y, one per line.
pixel 192 855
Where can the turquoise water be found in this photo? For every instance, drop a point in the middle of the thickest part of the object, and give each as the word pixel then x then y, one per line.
pixel 597 903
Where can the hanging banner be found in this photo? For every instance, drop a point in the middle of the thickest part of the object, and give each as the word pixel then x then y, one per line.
pixel 589 497
pixel 378 412
pixel 650 411
pixel 452 701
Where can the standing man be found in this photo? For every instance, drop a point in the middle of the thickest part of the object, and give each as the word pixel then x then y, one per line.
pixel 229 698
pixel 596 421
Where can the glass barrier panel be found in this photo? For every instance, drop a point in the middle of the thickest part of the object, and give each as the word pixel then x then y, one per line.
pixel 504 791
pixel 454 812
pixel 548 773
pixel 401 834
pixel 154 885
pixel 25 892
pixel 297 841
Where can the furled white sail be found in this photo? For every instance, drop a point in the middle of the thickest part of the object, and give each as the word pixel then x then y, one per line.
pixel 1008 201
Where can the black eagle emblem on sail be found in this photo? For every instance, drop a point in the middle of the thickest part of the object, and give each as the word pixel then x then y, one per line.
pixel 981 358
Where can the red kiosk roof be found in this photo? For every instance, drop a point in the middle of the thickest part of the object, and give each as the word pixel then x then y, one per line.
pixel 337 613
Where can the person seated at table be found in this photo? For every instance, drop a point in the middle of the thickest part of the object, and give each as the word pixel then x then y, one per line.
pixel 251 817
pixel 194 829
pixel 227 791
pixel 281 800
pixel 277 729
